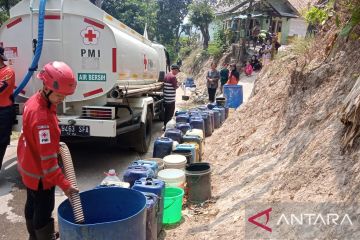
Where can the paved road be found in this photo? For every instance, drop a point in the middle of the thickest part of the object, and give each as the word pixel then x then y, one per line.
pixel 91 160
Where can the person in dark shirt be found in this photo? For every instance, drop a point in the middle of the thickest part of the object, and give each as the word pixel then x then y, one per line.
pixel 170 86
pixel 224 76
pixel 255 63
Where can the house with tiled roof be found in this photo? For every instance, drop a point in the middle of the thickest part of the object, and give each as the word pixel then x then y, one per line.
pixel 282 17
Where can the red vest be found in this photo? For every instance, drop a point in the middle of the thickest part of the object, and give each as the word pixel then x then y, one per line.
pixel 7 81
pixel 39 146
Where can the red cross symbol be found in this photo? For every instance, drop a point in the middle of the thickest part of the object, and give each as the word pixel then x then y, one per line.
pixel 44 135
pixel 89 35
pixel 145 62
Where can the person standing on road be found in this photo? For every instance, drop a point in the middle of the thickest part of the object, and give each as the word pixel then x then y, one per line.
pixel 234 76
pixel 224 76
pixel 7 109
pixel 38 150
pixel 170 86
pixel 212 82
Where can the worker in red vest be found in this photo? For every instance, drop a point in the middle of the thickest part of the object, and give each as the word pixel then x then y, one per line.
pixel 7 110
pixel 38 150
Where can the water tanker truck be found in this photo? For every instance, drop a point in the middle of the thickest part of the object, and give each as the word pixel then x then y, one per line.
pixel 119 72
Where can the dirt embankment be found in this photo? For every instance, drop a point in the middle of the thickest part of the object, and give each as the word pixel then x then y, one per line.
pixel 285 144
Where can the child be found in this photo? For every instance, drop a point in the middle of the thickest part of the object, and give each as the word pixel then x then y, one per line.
pixel 248 69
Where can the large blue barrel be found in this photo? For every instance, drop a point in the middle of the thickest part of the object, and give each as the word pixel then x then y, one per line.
pixel 233 95
pixel 207 122
pixel 197 123
pixel 174 133
pixel 157 187
pixel 217 118
pixel 182 118
pixel 133 173
pixel 183 127
pixel 111 213
pixel 151 164
pixel 162 147
pixel 152 208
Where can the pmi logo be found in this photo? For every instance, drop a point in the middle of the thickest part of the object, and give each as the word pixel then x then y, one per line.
pixel 266 212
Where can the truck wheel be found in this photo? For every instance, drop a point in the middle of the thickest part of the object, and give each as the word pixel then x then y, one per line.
pixel 143 135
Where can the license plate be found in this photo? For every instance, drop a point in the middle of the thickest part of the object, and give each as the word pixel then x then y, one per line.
pixel 75 130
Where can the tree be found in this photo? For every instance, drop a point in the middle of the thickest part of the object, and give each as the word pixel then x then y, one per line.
pixel 201 15
pixel 170 16
pixel 5 6
pixel 134 13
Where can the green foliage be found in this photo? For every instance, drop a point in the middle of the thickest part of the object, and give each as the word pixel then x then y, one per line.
pixel 5 6
pixel 354 20
pixel 201 15
pixel 316 16
pixel 169 19
pixel 134 13
pixel 215 50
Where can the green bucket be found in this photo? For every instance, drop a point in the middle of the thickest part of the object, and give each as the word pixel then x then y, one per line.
pixel 172 205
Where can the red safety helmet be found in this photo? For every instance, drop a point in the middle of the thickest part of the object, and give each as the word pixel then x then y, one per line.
pixel 58 77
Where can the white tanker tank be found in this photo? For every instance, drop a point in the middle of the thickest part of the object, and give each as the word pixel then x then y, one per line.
pixel 112 63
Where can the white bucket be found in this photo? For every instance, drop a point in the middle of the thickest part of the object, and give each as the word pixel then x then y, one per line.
pixel 173 177
pixel 175 161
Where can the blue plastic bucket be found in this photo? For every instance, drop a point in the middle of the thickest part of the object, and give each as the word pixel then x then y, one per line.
pixel 111 213
pixel 233 95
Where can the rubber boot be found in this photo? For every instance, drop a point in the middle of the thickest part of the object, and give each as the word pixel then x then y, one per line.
pixel 31 230
pixel 47 232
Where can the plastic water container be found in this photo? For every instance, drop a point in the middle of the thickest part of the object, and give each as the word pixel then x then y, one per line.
pixel 198 178
pixel 186 153
pixel 203 108
pixel 170 124
pixel 193 138
pixel 159 162
pixel 211 106
pixel 111 213
pixel 175 134
pixel 217 118
pixel 152 208
pixel 190 147
pixel 197 123
pixel 179 112
pixel 226 112
pixel 162 147
pixel 172 177
pixel 175 161
pixel 223 114
pixel 112 180
pixel 182 118
pixel 220 101
pixel 197 151
pixel 195 132
pixel 173 205
pixel 151 164
pixel 207 123
pixel 183 127
pixel 134 173
pixel 157 187
pixel 233 95
pixel 212 118
pixel 189 82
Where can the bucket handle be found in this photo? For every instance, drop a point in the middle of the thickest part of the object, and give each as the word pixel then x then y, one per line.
pixel 174 200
